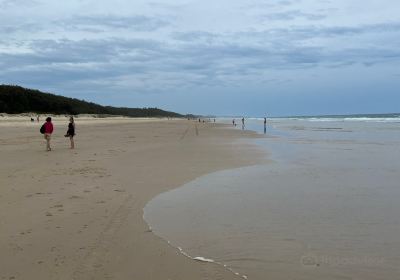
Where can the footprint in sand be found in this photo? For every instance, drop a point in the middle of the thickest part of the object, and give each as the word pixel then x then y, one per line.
pixel 118 190
pixel 25 232
pixel 59 207
pixel 15 247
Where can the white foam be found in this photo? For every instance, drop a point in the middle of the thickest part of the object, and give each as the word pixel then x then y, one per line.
pixel 388 119
pixel 183 252
pixel 352 119
pixel 201 259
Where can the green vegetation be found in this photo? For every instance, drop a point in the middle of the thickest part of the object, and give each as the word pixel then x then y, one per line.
pixel 16 100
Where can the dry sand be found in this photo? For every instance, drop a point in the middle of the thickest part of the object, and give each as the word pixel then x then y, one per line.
pixel 78 214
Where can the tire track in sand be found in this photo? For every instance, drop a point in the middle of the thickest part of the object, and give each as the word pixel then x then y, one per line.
pixel 92 263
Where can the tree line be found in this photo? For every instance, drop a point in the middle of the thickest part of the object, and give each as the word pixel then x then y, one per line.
pixel 16 100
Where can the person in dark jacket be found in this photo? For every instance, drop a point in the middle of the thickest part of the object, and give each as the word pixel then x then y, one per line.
pixel 71 131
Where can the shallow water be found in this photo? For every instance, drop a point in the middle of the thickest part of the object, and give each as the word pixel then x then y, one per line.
pixel 327 208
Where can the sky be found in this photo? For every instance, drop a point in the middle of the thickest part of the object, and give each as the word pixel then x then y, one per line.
pixel 219 57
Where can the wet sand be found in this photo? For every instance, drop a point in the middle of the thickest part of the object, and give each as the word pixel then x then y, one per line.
pixel 78 214
pixel 326 208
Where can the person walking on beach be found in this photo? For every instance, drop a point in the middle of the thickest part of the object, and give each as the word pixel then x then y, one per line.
pixel 243 123
pixel 48 130
pixel 71 132
pixel 265 125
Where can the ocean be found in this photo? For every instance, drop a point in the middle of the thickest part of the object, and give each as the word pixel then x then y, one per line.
pixel 327 207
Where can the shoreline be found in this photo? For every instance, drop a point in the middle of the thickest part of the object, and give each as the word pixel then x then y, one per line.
pixel 316 212
pixel 79 214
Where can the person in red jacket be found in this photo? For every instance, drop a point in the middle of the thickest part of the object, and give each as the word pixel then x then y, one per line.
pixel 48 130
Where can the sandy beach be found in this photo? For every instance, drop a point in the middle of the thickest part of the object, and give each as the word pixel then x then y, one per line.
pixel 78 214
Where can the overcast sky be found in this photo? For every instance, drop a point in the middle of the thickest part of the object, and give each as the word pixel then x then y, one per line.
pixel 224 57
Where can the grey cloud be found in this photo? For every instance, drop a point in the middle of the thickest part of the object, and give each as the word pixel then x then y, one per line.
pixel 374 28
pixel 66 61
pixel 100 23
pixel 312 32
pixel 271 4
pixel 195 36
pixel 17 3
pixel 191 59
pixel 166 6
pixel 285 48
pixel 291 15
pixel 21 27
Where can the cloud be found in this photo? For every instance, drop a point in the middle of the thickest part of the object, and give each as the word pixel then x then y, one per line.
pixel 99 23
pixel 195 36
pixel 262 5
pixel 291 15
pixel 20 28
pixel 116 52
pixel 187 59
pixel 4 4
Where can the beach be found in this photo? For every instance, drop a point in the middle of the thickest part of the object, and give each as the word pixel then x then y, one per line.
pixel 78 214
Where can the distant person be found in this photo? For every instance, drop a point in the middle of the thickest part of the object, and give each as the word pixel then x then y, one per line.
pixel 199 120
pixel 47 129
pixel 265 125
pixel 233 122
pixel 71 132
pixel 243 123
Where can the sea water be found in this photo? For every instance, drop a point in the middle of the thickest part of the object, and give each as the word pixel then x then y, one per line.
pixel 328 207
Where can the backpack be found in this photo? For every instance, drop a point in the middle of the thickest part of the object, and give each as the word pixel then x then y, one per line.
pixel 43 129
